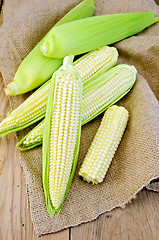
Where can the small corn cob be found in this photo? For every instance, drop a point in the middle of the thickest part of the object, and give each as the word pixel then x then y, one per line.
pixel 98 95
pixel 36 69
pixel 91 33
pixel 33 109
pixel 61 134
pixel 104 145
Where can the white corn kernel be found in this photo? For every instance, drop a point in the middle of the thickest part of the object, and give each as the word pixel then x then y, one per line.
pixel 34 106
pixel 94 61
pixel 64 128
pixel 98 96
pixel 104 145
pixel 94 99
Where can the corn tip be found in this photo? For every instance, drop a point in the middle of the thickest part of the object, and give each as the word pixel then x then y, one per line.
pixel 11 89
pixel 7 90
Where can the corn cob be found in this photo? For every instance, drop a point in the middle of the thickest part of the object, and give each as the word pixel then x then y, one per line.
pixel 36 69
pixel 61 134
pixel 104 145
pixel 34 138
pixel 98 95
pixel 90 33
pixel 33 109
pixel 96 62
pixel 111 87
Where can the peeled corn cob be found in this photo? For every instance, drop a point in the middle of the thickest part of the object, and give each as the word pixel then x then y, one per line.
pixel 96 62
pixel 111 87
pixel 30 111
pixel 90 33
pixel 98 95
pixel 104 145
pixel 33 138
pixel 61 134
pixel 33 109
pixel 36 69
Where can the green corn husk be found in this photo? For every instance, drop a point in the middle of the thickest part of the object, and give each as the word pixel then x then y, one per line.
pixel 36 69
pixel 34 107
pixel 34 138
pixel 91 33
pixel 58 156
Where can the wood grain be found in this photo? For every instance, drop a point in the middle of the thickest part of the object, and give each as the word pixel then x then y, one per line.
pixel 139 220
pixel 1 12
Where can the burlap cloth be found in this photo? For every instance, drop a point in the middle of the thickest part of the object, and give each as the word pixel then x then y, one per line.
pixel 136 161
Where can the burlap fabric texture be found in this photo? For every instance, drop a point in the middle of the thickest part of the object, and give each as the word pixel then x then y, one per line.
pixel 136 161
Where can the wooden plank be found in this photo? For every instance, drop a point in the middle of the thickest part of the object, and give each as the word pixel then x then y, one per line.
pixel 1 12
pixel 139 221
pixel 15 220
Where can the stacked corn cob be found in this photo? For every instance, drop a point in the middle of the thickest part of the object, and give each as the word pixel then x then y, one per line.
pixel 62 130
pixel 98 95
pixel 74 96
pixel 101 90
pixel 34 107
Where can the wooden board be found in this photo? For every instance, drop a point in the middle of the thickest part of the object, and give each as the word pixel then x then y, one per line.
pixel 139 220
